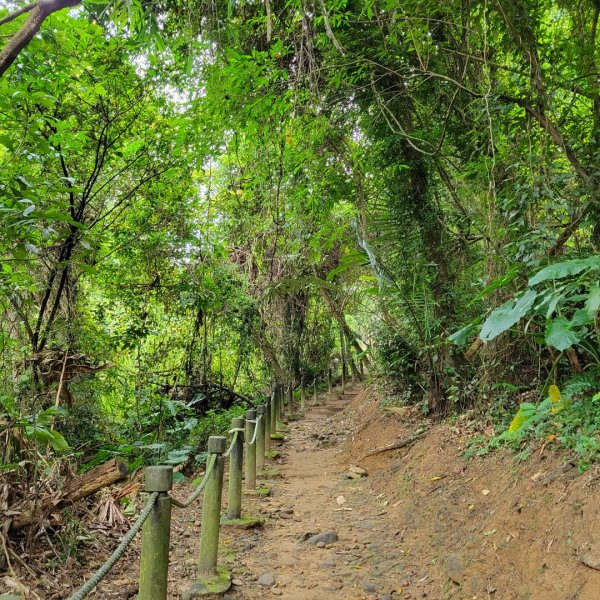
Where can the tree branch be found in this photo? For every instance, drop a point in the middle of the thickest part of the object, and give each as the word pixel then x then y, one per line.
pixel 23 36
pixel 17 13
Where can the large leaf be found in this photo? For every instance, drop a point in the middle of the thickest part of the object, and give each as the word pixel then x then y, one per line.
pixel 560 335
pixel 507 315
pixel 42 435
pixel 497 283
pixel 461 336
pixel 567 268
pixel 592 304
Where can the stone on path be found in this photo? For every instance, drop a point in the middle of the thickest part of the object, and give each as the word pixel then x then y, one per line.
pixel 455 569
pixel 266 580
pixel 326 537
pixel 358 470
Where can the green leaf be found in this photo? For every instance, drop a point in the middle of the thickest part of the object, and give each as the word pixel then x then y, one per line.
pixel 7 142
pixel 43 435
pixel 497 283
pixel 88 268
pixel 592 304
pixel 507 315
pixel 566 268
pixel 19 252
pixel 461 336
pixel 560 335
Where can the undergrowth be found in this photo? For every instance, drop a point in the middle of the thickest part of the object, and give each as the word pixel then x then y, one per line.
pixel 567 419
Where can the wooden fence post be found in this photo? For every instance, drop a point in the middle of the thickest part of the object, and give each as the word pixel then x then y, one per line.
pixel 274 411
pixel 236 458
pixel 260 437
pixel 280 389
pixel 302 395
pixel 250 450
pixel 290 400
pixel 211 509
pixel 154 562
pixel 267 426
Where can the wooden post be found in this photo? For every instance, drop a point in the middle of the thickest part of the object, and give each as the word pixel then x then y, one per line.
pixel 343 351
pixel 290 400
pixel 329 388
pixel 211 508
pixel 274 411
pixel 154 562
pixel 267 426
pixel 280 393
pixel 315 395
pixel 236 458
pixel 250 450
pixel 302 395
pixel 260 437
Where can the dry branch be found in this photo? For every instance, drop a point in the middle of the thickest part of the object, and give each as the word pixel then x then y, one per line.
pixel 401 444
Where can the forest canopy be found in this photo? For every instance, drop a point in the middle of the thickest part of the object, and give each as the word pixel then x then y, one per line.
pixel 200 198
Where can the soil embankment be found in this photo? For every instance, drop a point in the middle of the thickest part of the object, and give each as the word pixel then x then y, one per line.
pixel 424 522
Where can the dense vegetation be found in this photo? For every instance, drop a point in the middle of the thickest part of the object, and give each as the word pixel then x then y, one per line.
pixel 199 198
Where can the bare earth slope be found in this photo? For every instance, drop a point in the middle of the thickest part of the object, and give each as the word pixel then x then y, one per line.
pixel 425 523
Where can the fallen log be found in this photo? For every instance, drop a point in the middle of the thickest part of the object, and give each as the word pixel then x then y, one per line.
pixel 401 444
pixel 28 512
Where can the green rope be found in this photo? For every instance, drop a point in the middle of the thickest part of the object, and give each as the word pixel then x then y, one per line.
pixel 233 441
pixel 103 571
pixel 251 442
pixel 194 495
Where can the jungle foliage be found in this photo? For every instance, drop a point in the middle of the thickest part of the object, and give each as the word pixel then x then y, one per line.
pixel 199 197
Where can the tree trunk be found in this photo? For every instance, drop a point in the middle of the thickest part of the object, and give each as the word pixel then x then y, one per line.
pixel 341 320
pixel 269 353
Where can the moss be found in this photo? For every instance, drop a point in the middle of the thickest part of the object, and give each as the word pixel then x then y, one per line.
pixel 243 522
pixel 219 583
pixel 260 491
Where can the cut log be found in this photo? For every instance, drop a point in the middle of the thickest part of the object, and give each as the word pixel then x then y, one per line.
pixel 27 512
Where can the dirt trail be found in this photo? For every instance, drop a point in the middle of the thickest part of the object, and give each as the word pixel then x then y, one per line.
pixel 424 523
pixel 312 496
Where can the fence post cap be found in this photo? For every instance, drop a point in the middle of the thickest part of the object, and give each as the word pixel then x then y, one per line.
pixel 216 444
pixel 158 478
pixel 251 414
pixel 237 422
pixel 260 409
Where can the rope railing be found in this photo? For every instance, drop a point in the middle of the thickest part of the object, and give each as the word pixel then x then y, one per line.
pixel 250 440
pixel 196 493
pixel 104 570
pixel 235 432
pixel 256 427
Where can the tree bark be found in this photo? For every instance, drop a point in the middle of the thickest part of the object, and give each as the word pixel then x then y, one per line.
pixel 23 36
pixel 269 353
pixel 341 320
